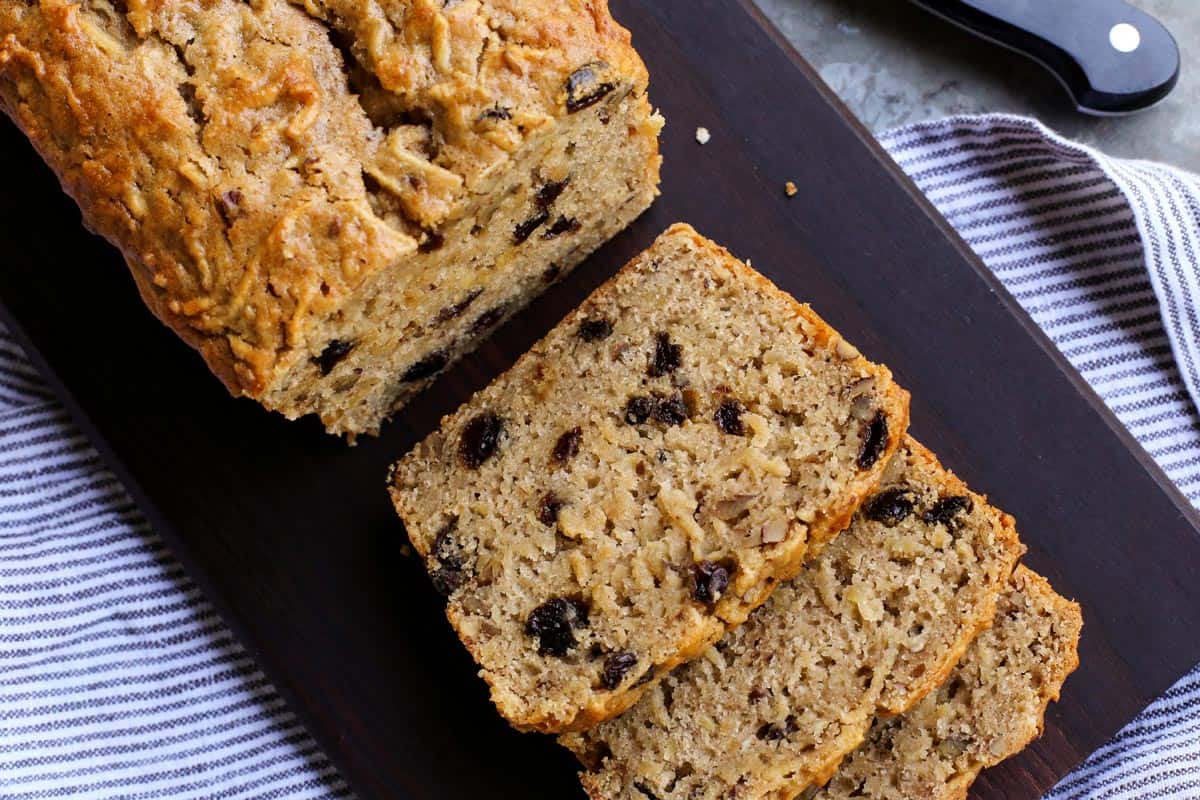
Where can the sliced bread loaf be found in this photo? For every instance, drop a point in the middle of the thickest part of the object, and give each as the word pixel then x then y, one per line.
pixel 641 478
pixel 878 621
pixel 992 705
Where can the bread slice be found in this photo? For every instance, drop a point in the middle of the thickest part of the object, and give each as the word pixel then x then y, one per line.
pixel 333 200
pixel 639 480
pixel 992 705
pixel 876 623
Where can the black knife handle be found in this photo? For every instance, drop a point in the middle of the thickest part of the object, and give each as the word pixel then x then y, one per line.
pixel 1112 58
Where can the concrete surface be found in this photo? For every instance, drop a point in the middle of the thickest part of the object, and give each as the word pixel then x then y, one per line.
pixel 893 63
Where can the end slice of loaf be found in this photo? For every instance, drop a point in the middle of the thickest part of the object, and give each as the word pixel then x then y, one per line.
pixel 332 201
pixel 992 705
pixel 637 483
pixel 876 623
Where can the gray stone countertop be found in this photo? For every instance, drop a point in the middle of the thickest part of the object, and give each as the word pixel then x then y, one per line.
pixel 893 64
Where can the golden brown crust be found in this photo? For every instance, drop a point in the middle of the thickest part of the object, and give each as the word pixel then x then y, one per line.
pixel 223 148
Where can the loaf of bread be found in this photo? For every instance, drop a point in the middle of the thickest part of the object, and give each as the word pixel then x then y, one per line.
pixel 992 705
pixel 871 627
pixel 332 200
pixel 637 482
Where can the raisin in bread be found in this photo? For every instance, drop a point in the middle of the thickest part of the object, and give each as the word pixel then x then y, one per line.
pixel 640 479
pixel 992 705
pixel 876 623
pixel 333 200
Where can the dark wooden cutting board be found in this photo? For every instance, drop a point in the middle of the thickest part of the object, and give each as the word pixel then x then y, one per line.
pixel 292 535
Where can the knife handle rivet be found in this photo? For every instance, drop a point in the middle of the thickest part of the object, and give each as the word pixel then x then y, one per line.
pixel 1124 37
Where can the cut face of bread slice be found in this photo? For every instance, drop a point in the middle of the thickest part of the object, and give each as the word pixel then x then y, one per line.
pixel 871 626
pixel 992 705
pixel 638 481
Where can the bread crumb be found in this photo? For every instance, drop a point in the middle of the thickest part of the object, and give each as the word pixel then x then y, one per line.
pixel 790 189
pixel 702 135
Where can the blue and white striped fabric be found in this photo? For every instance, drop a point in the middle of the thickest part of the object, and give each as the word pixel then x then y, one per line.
pixel 117 679
pixel 1104 254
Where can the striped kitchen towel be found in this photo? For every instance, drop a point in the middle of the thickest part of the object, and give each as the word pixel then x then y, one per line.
pixel 1104 254
pixel 117 678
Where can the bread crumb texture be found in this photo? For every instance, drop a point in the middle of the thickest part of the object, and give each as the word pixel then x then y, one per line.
pixel 333 199
pixel 992 705
pixel 876 623
pixel 640 480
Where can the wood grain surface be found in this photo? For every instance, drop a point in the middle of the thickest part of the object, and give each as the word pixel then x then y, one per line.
pixel 292 535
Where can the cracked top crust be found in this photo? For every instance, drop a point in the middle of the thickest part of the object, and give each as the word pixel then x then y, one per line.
pixel 256 161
